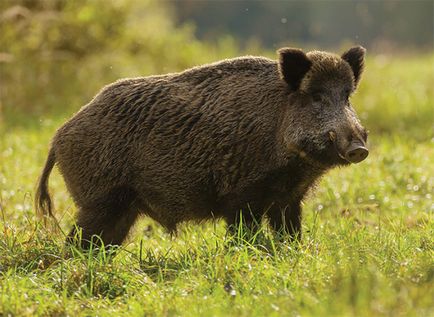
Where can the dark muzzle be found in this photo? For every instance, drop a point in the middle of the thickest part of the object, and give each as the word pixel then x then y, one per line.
pixel 356 152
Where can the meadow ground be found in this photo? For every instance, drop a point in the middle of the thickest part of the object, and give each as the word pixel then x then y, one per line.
pixel 368 232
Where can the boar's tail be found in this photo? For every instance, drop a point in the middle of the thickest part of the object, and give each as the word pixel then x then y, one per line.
pixel 43 203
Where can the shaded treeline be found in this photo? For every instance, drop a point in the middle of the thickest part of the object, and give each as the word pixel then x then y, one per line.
pixel 375 24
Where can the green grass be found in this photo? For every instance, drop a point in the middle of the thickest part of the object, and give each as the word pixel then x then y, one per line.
pixel 367 248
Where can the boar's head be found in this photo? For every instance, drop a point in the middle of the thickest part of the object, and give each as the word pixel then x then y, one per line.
pixel 320 121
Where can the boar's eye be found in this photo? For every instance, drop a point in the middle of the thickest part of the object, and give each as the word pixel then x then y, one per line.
pixel 347 93
pixel 317 97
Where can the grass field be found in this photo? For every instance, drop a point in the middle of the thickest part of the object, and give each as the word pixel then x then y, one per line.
pixel 368 232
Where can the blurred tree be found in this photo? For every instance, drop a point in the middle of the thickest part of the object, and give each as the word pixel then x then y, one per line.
pixel 56 54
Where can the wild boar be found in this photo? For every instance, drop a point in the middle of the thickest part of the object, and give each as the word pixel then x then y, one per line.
pixel 245 136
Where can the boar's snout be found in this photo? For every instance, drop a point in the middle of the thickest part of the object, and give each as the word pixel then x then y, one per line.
pixel 356 152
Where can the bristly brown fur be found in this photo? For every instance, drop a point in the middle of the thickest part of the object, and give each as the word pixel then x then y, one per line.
pixel 211 142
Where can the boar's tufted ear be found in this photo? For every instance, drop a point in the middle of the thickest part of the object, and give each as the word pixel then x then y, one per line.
pixel 293 65
pixel 355 56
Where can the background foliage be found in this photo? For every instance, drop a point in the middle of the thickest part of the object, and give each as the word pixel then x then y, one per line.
pixel 62 52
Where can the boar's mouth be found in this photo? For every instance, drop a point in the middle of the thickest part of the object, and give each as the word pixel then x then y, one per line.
pixel 340 157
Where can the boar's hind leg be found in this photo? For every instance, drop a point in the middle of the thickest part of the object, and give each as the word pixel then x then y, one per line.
pixel 110 218
pixel 287 220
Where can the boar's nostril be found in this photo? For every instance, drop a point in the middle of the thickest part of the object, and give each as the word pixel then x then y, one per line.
pixel 356 153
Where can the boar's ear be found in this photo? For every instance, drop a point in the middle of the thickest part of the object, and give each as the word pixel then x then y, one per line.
pixel 355 56
pixel 293 65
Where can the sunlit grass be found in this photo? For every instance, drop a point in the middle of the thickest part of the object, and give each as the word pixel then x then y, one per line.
pixel 367 246
pixel 367 249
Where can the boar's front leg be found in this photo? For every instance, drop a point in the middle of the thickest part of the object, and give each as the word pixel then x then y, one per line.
pixel 249 221
pixel 287 219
